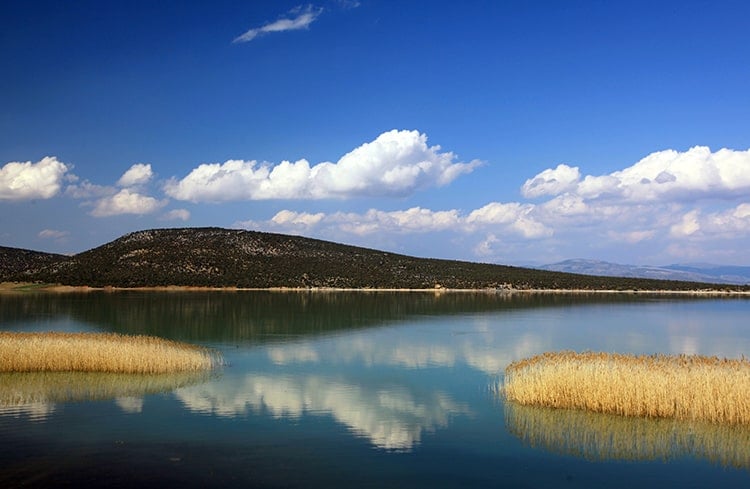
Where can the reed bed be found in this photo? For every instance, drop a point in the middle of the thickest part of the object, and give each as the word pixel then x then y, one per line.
pixel 597 436
pixel 685 387
pixel 99 352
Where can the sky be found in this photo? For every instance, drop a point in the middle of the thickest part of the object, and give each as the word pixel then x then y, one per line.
pixel 515 132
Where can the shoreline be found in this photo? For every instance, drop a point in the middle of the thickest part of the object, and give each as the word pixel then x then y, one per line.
pixel 25 287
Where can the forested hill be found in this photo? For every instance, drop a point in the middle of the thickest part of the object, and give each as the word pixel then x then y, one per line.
pixel 15 260
pixel 214 257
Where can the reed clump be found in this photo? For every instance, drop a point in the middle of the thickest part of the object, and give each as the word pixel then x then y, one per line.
pixel 99 352
pixel 685 387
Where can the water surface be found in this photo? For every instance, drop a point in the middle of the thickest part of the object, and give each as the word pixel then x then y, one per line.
pixel 368 389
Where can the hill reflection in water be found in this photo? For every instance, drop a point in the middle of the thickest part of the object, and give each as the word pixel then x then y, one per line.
pixel 266 316
pixel 596 436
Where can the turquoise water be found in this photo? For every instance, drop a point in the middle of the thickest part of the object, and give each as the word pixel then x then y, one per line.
pixel 358 390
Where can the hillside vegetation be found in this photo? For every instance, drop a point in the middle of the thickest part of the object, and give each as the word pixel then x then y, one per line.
pixel 214 257
pixel 15 260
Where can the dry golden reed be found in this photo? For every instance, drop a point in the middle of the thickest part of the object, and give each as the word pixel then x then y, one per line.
pixel 687 387
pixel 597 436
pixel 99 352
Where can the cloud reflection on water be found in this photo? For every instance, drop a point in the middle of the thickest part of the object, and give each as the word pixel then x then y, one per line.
pixel 390 415
pixel 479 352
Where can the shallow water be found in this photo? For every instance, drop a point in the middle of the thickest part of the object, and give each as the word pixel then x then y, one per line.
pixel 358 389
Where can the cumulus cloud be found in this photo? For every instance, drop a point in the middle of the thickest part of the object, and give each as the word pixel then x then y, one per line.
pixel 129 198
pixel 661 176
pixel 53 234
pixel 632 236
pixel 296 19
pixel 668 197
pixel 137 174
pixel 413 220
pixel 176 215
pixel 396 163
pixel 301 219
pixel 87 190
pixel 126 202
pixel 516 219
pixel 485 247
pixel 688 225
pixel 727 223
pixel 26 180
pixel 552 182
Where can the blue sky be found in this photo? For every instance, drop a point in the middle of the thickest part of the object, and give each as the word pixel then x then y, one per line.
pixel 518 132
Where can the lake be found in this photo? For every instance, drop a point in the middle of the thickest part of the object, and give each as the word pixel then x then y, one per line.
pixel 359 389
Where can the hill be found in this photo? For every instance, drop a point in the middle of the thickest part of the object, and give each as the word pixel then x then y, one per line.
pixel 214 257
pixel 693 273
pixel 17 260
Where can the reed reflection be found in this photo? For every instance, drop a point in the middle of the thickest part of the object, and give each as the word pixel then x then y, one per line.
pixel 35 394
pixel 595 436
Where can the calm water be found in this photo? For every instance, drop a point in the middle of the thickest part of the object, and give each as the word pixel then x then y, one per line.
pixel 358 390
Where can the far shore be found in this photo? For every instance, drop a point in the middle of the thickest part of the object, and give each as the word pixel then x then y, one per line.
pixel 21 287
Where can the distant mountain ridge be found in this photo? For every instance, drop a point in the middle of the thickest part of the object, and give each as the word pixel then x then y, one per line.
pixel 708 273
pixel 215 257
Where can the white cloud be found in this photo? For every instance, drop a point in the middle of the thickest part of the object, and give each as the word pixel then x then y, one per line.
pixel 513 218
pixel 88 190
pixel 656 206
pixel 176 215
pixel 551 182
pixel 53 234
pixel 661 176
pixel 126 202
pixel 27 180
pixel 303 219
pixel 733 222
pixel 566 205
pixel 601 186
pixel 724 224
pixel 632 236
pixel 518 218
pixel 296 19
pixel 396 163
pixel 688 225
pixel 287 221
pixel 498 213
pixel 130 199
pixel 348 4
pixel 413 220
pixel 138 174
pixel 485 247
